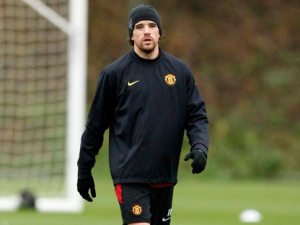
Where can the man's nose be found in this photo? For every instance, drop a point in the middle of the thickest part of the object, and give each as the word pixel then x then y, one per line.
pixel 146 30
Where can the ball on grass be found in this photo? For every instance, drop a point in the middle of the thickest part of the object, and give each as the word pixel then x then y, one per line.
pixel 250 216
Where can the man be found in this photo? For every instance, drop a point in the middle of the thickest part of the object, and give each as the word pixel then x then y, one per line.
pixel 147 99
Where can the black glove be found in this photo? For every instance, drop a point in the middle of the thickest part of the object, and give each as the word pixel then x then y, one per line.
pixel 199 160
pixel 84 185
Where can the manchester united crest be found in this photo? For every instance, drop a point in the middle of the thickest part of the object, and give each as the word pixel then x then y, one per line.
pixel 170 79
pixel 137 210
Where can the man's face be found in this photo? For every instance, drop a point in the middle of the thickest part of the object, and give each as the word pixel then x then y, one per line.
pixel 145 36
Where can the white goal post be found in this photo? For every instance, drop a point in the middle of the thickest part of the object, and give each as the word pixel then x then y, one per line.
pixel 16 101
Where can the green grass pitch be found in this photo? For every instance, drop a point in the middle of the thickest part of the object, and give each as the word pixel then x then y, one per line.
pixel 196 201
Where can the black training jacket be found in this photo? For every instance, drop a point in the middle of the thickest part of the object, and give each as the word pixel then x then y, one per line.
pixel 147 105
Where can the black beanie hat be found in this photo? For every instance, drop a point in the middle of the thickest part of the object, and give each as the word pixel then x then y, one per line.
pixel 143 12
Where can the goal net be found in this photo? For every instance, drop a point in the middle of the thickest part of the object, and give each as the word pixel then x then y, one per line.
pixel 42 101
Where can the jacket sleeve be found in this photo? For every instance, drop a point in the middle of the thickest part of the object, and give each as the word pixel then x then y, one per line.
pixel 197 125
pixel 99 119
